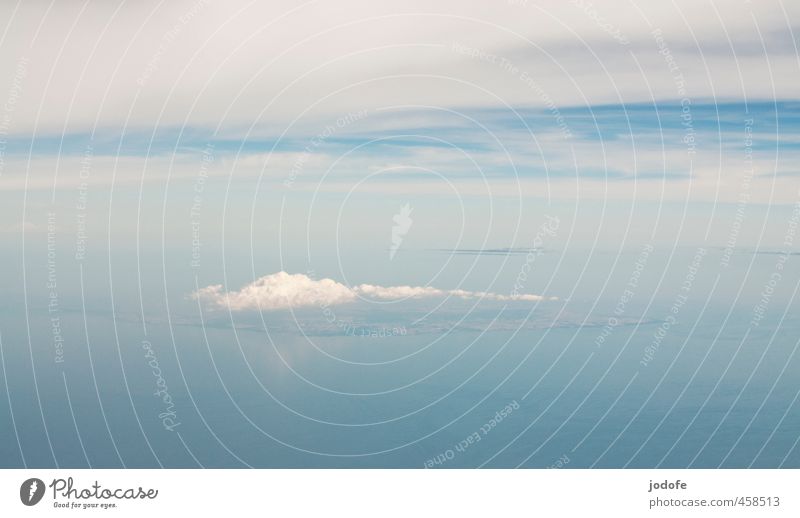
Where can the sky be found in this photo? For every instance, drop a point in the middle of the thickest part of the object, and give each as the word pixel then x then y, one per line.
pixel 235 127
pixel 260 82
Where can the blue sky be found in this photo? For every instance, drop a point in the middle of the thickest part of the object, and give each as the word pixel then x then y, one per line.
pixel 485 119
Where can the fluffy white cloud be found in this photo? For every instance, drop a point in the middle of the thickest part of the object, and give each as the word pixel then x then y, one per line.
pixel 283 290
pixel 279 291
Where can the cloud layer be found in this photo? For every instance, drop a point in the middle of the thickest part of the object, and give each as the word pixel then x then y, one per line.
pixel 283 291
pixel 211 64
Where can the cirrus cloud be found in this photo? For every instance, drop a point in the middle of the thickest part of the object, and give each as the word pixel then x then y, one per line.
pixel 284 291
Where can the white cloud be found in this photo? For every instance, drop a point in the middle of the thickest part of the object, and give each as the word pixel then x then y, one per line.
pixel 208 63
pixel 283 291
pixel 398 292
pixel 279 291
